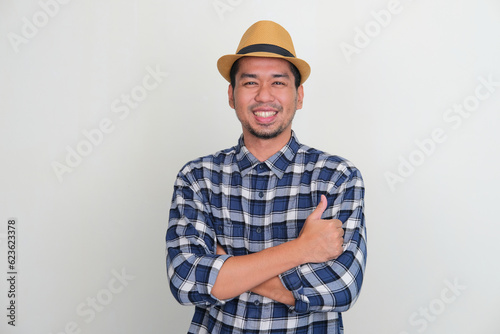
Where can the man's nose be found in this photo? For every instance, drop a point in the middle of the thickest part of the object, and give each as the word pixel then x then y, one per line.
pixel 264 94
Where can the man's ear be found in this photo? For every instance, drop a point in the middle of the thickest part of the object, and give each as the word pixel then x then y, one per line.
pixel 300 97
pixel 230 95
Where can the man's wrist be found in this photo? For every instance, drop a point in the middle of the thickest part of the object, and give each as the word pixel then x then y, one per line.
pixel 297 251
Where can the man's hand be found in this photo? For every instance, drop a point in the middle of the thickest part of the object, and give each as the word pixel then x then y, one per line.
pixel 321 239
pixel 220 250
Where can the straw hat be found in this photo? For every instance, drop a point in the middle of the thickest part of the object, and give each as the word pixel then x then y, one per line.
pixel 264 39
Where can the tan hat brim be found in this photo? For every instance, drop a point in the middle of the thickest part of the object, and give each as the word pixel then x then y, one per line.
pixel 225 63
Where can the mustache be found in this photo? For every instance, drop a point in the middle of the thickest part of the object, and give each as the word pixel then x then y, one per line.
pixel 275 106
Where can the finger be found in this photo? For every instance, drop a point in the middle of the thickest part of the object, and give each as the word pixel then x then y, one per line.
pixel 338 223
pixel 316 214
pixel 220 250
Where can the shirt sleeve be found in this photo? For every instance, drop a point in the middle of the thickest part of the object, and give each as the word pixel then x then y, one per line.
pixel 335 285
pixel 192 265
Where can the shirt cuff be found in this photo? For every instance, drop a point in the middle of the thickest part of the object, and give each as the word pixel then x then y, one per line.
pixel 291 280
pixel 207 270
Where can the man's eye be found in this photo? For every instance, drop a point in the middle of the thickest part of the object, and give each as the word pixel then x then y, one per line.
pixel 249 83
pixel 279 83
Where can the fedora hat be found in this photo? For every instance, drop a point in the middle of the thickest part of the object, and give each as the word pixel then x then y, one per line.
pixel 264 39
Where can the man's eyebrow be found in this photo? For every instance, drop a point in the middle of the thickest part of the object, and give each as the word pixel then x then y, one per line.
pixel 248 75
pixel 281 75
pixel 277 75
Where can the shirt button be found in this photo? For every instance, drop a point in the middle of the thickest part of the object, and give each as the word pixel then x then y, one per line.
pixel 259 230
pixel 261 194
pixel 220 227
pixel 256 303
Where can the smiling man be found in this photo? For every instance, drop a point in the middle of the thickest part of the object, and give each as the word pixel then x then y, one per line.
pixel 267 236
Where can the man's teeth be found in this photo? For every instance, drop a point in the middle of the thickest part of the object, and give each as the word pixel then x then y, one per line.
pixel 265 113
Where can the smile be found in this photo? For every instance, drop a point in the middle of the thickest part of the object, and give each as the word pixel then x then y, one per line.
pixel 265 114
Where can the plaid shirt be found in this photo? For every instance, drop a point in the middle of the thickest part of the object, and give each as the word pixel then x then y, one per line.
pixel 246 206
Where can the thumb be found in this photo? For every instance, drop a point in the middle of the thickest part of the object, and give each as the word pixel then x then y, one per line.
pixel 316 214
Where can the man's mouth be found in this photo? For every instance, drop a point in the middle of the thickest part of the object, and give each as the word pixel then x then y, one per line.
pixel 265 114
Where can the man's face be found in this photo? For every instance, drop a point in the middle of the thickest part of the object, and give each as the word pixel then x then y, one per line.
pixel 264 97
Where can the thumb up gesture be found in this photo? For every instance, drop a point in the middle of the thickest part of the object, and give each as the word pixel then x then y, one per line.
pixel 321 239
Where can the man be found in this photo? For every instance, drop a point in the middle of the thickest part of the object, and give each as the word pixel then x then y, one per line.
pixel 267 236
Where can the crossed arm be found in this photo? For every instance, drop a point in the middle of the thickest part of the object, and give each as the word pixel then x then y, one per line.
pixel 319 241
pixel 320 270
pixel 272 288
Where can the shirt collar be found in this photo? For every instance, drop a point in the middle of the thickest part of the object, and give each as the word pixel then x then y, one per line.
pixel 277 163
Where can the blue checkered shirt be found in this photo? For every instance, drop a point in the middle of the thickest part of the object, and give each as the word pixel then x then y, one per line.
pixel 246 206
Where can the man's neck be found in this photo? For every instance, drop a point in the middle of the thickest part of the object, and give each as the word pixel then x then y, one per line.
pixel 263 149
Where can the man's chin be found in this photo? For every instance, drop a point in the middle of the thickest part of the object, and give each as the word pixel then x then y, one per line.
pixel 266 135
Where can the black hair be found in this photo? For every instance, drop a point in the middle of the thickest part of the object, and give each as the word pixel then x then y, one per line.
pixel 293 69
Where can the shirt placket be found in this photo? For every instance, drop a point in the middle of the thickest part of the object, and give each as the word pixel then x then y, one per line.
pixel 255 310
pixel 261 205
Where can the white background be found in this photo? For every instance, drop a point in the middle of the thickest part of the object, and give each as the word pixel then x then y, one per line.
pixel 436 225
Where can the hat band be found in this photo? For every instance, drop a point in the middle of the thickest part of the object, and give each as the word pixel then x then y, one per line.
pixel 266 48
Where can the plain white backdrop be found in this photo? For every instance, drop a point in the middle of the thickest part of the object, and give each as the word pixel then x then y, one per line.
pixel 102 102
